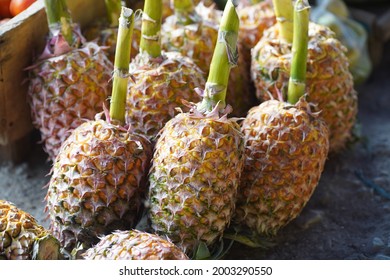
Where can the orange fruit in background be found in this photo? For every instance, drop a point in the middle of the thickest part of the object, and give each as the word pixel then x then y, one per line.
pixel 18 6
pixel 4 9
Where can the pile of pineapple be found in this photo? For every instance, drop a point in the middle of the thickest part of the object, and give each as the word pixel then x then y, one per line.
pixel 147 163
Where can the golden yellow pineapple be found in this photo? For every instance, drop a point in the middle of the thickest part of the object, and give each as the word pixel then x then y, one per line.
pixel 188 33
pixel 159 80
pixel 254 20
pixel 193 31
pixel 286 147
pixel 99 176
pixel 198 160
pixel 134 245
pixel 22 238
pixel 69 83
pixel 168 8
pixel 105 32
pixel 329 81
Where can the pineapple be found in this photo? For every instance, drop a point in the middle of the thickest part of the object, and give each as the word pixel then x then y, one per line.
pixel 254 19
pixel 198 160
pixel 134 245
pixel 168 7
pixel 22 238
pixel 159 80
pixel 286 146
pixel 329 81
pixel 99 176
pixel 105 32
pixel 69 83
pixel 193 31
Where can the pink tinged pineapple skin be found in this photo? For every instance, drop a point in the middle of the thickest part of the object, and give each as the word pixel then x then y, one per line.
pixel 134 245
pixel 159 87
pixel 194 178
pixel 329 83
pixel 98 183
pixel 67 90
pixel 286 148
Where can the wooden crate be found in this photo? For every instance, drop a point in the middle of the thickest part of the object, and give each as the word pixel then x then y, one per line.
pixel 21 40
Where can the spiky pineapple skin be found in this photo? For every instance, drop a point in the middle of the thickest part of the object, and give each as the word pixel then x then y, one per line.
pixel 286 148
pixel 329 82
pixel 159 88
pixel 66 90
pixel 19 231
pixel 97 184
pixel 198 40
pixel 134 245
pixel 168 8
pixel 194 177
pixel 254 20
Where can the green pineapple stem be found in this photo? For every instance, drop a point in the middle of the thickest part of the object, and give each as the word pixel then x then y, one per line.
pixel 224 58
pixel 284 16
pixel 151 26
pixel 113 8
pixel 297 82
pixel 184 11
pixel 121 65
pixel 59 19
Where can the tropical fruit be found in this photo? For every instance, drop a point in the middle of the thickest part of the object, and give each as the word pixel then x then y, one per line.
pixel 134 245
pixel 99 176
pixel 193 31
pixel 254 20
pixel 22 238
pixel 198 161
pixel 105 32
pixel 69 83
pixel 351 33
pixel 159 80
pixel 329 82
pixel 286 147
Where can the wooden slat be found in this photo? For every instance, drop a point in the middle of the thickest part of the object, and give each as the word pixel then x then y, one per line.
pixel 21 40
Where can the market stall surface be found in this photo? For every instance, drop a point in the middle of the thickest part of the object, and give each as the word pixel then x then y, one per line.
pixel 348 216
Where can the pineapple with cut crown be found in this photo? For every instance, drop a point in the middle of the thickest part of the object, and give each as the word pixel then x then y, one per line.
pixel 134 245
pixel 286 146
pixel 255 18
pixel 193 31
pixel 105 31
pixel 168 6
pixel 159 80
pixel 70 81
pixel 198 159
pixel 99 180
pixel 22 238
pixel 329 82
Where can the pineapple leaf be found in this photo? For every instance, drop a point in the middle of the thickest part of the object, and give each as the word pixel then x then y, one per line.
pixel 202 252
pixel 248 238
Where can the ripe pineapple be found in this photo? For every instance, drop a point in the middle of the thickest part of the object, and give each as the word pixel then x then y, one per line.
pixel 329 82
pixel 159 81
pixel 286 148
pixel 188 32
pixel 168 8
pixel 254 20
pixel 198 161
pixel 105 32
pixel 193 31
pixel 69 83
pixel 22 238
pixel 99 176
pixel 134 245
